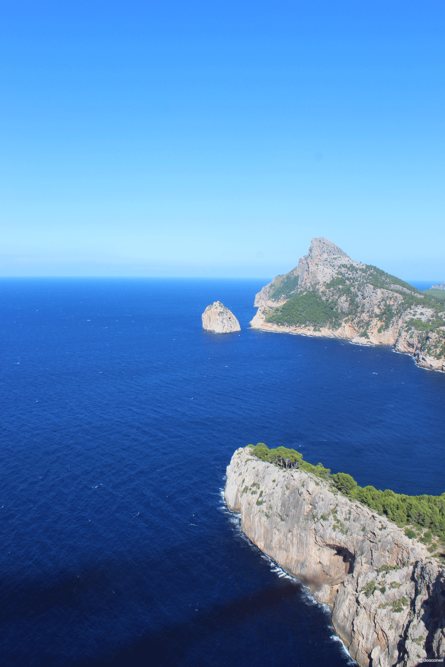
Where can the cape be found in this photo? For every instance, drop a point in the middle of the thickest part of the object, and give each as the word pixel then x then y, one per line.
pixel 329 294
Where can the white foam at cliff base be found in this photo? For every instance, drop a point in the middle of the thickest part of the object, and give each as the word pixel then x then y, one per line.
pixel 407 354
pixel 344 650
pixel 306 595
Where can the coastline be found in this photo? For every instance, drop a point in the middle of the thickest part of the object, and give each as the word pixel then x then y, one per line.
pixel 427 363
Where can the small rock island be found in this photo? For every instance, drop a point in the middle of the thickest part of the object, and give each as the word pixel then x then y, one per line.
pixel 219 319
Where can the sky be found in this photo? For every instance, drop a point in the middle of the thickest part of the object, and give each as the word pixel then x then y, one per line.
pixel 215 138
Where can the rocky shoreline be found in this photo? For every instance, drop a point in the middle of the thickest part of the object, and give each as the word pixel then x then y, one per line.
pixel 400 344
pixel 398 347
pixel 386 592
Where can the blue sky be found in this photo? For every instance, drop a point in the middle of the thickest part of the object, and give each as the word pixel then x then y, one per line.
pixel 216 138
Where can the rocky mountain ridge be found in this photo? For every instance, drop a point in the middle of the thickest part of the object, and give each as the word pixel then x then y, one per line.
pixel 386 592
pixel 329 294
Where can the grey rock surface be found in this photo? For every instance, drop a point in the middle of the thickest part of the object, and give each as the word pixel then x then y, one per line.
pixel 386 592
pixel 219 319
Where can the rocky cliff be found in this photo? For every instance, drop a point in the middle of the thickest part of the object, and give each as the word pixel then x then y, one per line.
pixel 219 319
pixel 386 592
pixel 329 294
pixel 441 286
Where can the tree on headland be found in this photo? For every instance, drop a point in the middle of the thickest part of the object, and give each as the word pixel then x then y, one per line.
pixel 344 482
pixel 281 456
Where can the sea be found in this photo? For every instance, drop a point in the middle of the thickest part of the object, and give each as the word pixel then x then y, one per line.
pixel 119 416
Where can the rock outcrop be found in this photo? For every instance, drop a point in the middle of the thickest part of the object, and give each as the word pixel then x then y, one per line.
pixel 219 319
pixel 329 294
pixel 442 286
pixel 386 592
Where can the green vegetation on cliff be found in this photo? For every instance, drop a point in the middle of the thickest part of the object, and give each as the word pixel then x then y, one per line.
pixel 283 286
pixel 438 294
pixel 429 325
pixel 380 279
pixel 424 512
pixel 287 458
pixel 307 308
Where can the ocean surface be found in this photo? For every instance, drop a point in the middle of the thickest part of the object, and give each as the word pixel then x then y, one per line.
pixel 119 415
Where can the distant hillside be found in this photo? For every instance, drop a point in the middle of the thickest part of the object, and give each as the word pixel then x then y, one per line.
pixel 437 292
pixel 329 294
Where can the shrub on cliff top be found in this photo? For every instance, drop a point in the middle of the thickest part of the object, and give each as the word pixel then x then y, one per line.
pixel 281 456
pixel 344 482
pixel 421 511
pixel 288 458
pixel 318 470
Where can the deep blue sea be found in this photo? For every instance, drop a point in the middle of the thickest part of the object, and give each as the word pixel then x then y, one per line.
pixel 119 415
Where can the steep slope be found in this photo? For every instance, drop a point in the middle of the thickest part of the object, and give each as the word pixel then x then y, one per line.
pixel 386 592
pixel 329 294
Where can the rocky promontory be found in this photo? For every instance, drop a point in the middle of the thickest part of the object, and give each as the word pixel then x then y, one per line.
pixel 329 294
pixel 219 319
pixel 386 591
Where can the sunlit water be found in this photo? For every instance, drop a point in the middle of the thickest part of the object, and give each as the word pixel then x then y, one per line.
pixel 119 415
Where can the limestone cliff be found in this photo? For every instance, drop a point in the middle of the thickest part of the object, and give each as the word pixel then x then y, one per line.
pixel 219 319
pixel 329 294
pixel 386 592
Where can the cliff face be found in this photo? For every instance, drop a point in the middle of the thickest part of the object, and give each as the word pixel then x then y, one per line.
pixel 386 593
pixel 219 319
pixel 329 294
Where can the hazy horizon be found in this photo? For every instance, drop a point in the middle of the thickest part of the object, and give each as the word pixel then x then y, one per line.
pixel 413 271
pixel 216 139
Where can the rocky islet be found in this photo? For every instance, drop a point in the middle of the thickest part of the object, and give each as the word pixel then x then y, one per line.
pixel 219 319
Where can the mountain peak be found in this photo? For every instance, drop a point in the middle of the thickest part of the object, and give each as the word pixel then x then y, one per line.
pixel 321 248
